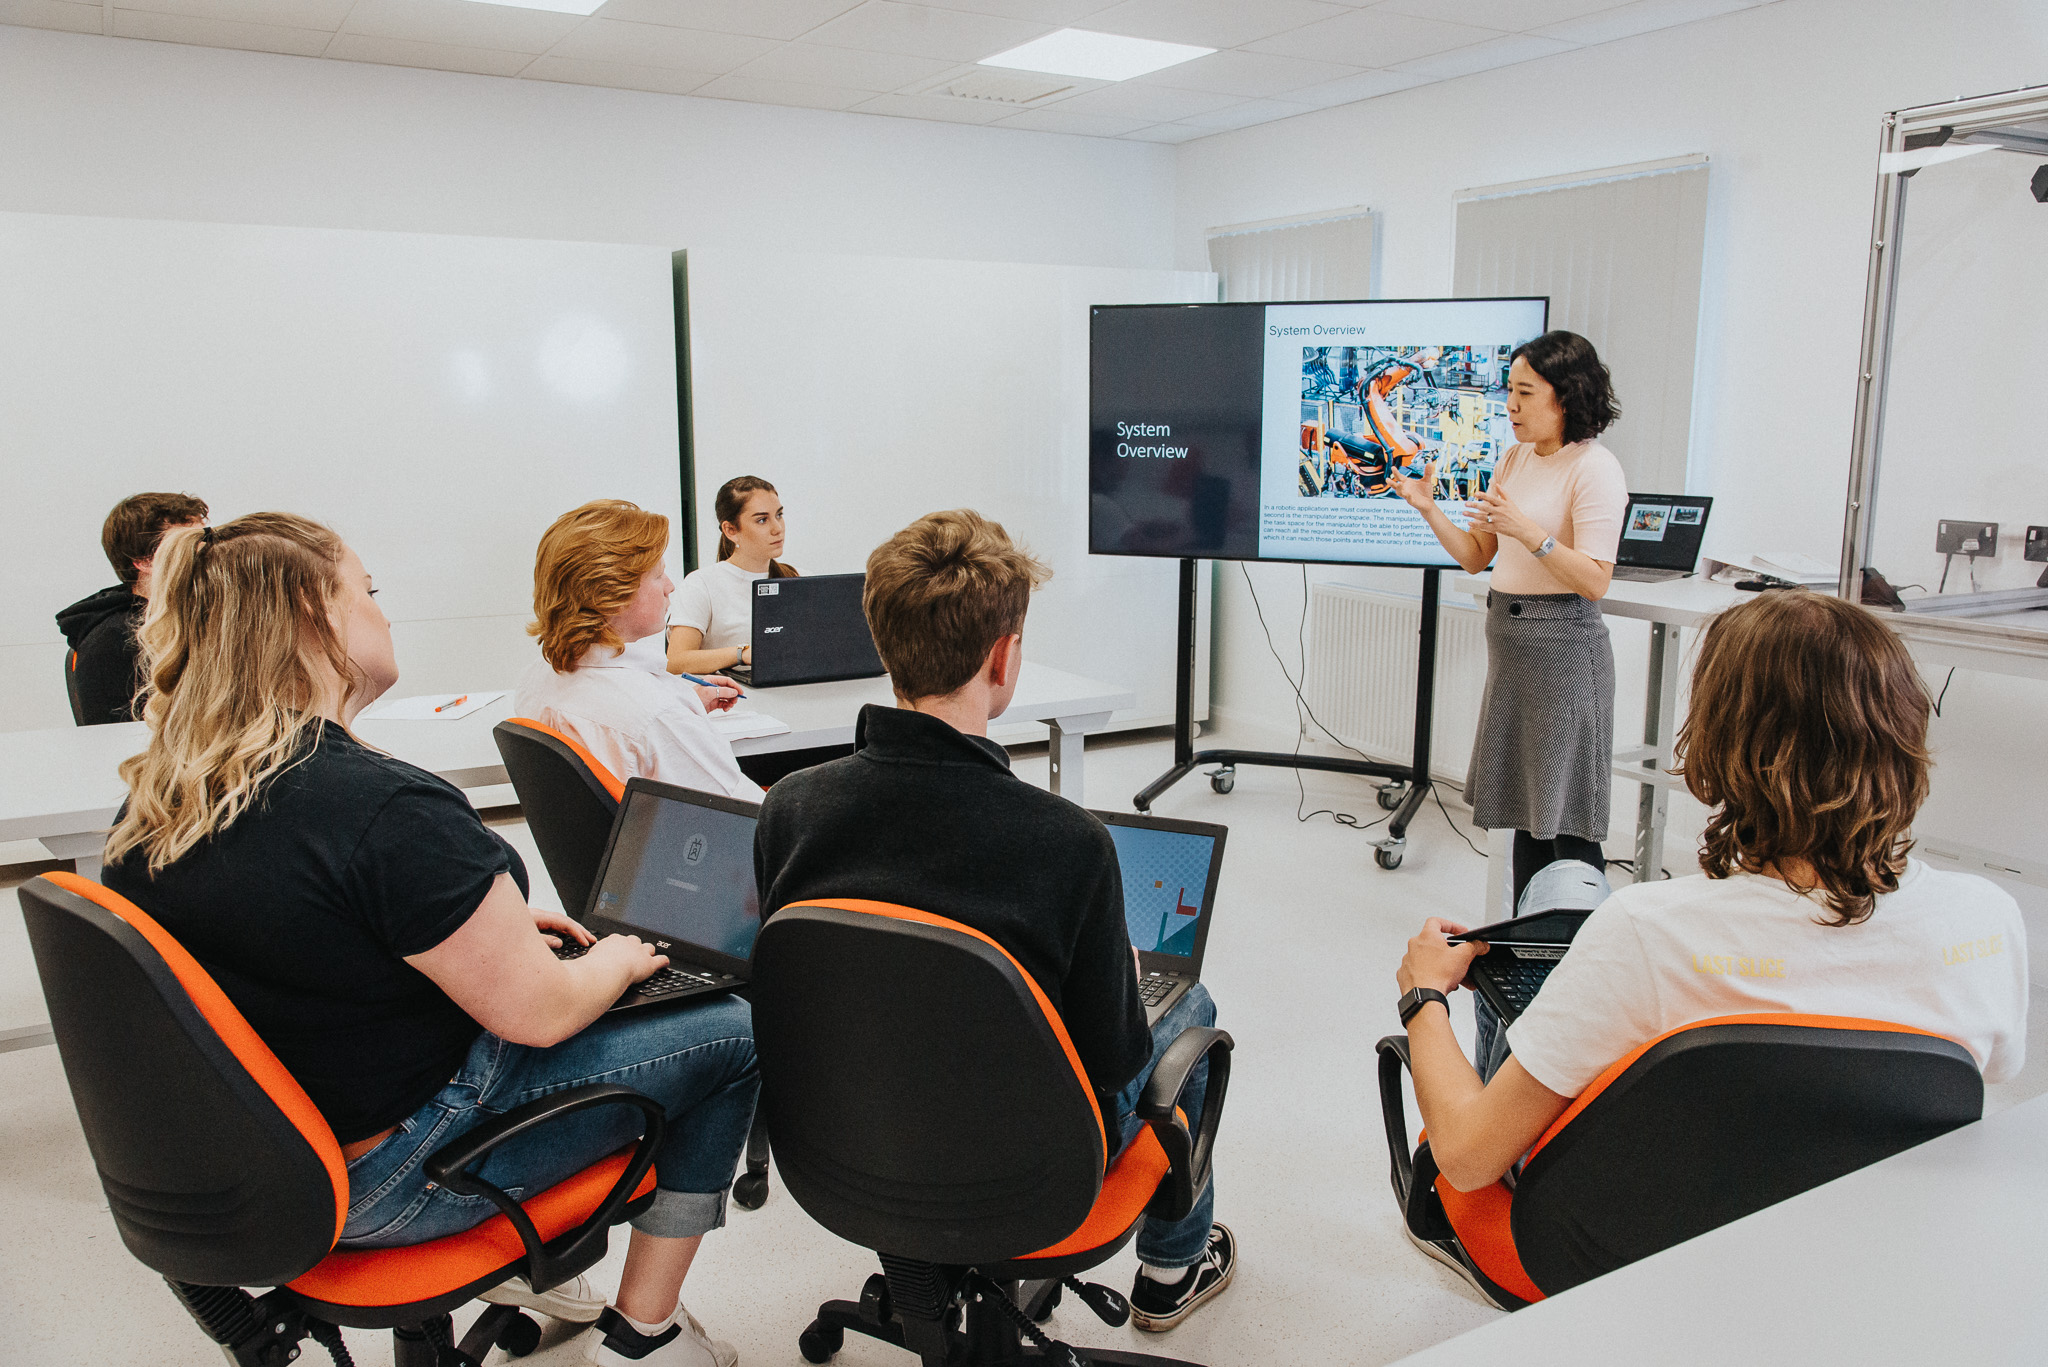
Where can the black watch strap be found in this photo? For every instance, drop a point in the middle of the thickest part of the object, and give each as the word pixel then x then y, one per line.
pixel 1417 998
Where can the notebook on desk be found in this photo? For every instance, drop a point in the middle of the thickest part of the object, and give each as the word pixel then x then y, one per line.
pixel 1169 872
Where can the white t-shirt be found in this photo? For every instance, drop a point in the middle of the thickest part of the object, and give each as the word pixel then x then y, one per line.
pixel 1946 953
pixel 718 601
pixel 639 720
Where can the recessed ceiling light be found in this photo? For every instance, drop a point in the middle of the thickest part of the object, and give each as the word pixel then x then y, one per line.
pixel 1097 56
pixel 558 6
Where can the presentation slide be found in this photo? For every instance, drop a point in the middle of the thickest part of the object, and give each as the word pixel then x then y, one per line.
pixel 1271 431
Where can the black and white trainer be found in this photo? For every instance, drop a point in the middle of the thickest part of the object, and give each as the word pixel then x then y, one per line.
pixel 1159 1306
pixel 683 1344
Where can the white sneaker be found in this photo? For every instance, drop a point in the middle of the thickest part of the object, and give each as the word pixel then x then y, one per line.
pixel 683 1344
pixel 573 1301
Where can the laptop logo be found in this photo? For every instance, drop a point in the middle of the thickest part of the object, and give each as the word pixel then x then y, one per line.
pixel 693 852
pixel 767 590
pixel 769 631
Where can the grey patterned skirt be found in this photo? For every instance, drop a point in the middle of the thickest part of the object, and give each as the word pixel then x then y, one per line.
pixel 1542 761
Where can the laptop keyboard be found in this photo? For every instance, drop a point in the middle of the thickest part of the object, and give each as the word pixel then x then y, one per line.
pixel 663 983
pixel 1518 980
pixel 1153 987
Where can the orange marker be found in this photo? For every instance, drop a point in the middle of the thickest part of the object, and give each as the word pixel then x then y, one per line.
pixel 457 703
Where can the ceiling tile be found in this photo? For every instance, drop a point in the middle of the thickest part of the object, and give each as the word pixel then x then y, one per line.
pixel 1209 23
pixel 815 64
pixel 781 92
pixel 1373 38
pixel 1626 21
pixel 1247 75
pixel 320 14
pixel 57 14
pixel 684 49
pixel 922 31
pixel 183 28
pixel 1056 120
pixel 1156 102
pixel 944 107
pixel 620 75
pixel 358 47
pixel 757 18
pixel 1503 51
pixel 1245 114
pixel 1510 16
pixel 459 23
pixel 1168 132
pixel 1060 12
pixel 1365 85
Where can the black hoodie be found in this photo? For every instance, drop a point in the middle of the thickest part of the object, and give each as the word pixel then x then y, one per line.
pixel 105 665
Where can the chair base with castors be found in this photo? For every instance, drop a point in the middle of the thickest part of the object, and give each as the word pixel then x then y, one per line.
pixel 750 1188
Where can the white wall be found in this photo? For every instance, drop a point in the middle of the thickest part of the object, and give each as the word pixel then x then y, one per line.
pixel 92 125
pixel 1786 99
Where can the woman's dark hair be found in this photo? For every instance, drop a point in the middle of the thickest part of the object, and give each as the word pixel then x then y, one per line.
pixel 1808 736
pixel 727 505
pixel 1569 365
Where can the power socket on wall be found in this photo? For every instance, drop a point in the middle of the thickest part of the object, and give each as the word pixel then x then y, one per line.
pixel 2037 543
pixel 1978 539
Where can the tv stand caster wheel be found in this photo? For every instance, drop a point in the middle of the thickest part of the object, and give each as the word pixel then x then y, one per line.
pixel 819 1342
pixel 750 1190
pixel 1224 779
pixel 1391 796
pixel 1388 856
pixel 519 1335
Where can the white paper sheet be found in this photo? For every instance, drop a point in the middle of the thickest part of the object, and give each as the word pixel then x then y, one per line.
pixel 746 725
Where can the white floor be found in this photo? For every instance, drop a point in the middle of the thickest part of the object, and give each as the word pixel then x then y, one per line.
pixel 1301 961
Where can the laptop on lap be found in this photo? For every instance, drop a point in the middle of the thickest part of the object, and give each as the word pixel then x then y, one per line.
pixel 1169 868
pixel 678 872
pixel 1661 536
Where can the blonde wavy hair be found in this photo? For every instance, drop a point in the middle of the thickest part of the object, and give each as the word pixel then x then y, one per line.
pixel 589 566
pixel 237 618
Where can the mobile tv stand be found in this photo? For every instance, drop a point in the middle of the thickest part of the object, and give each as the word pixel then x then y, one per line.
pixel 1411 782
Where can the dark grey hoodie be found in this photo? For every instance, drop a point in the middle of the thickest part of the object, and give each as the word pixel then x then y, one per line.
pixel 105 661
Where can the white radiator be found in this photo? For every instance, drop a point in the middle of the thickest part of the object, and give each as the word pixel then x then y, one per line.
pixel 1361 674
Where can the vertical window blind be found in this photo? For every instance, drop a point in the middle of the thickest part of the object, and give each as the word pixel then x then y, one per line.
pixel 1619 254
pixel 1328 257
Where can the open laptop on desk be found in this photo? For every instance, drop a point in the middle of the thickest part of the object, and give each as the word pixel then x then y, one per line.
pixel 678 872
pixel 1169 870
pixel 809 629
pixel 1661 536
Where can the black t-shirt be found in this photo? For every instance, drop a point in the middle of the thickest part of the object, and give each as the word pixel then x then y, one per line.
pixel 305 908
pixel 927 817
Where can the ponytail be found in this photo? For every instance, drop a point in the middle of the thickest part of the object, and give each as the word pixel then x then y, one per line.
pixel 727 505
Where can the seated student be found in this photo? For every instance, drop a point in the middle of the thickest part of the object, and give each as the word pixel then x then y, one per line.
pixel 711 625
pixel 1807 736
pixel 598 589
pixel 101 629
pixel 926 813
pixel 376 935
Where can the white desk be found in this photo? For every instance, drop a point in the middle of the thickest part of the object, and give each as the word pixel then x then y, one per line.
pixel 1933 1256
pixel 62 786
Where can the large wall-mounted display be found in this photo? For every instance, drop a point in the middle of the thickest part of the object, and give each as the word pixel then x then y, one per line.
pixel 1270 431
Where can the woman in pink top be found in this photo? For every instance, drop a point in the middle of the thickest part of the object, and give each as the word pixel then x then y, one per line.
pixel 1548 524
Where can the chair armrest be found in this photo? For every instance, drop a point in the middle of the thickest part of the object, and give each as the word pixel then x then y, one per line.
pixel 1187 1156
pixel 1393 1052
pixel 550 1264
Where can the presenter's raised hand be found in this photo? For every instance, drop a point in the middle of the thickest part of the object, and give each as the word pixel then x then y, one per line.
pixel 1418 493
pixel 1494 512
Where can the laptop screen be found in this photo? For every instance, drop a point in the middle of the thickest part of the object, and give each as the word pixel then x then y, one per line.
pixel 681 870
pixel 1167 875
pixel 1663 531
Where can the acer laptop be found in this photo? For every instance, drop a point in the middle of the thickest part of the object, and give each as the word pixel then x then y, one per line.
pixel 678 872
pixel 1169 872
pixel 1661 536
pixel 809 629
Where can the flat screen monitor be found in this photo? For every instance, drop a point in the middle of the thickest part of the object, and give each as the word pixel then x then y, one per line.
pixel 1268 431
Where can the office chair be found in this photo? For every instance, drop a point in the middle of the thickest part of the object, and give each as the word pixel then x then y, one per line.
pixel 926 1102
pixel 220 1173
pixel 1703 1125
pixel 71 688
pixel 569 800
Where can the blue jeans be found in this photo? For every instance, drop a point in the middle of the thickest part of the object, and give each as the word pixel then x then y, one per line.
pixel 1181 1243
pixel 697 1060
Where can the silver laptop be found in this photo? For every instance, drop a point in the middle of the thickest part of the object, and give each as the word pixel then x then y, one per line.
pixel 1661 536
pixel 1169 870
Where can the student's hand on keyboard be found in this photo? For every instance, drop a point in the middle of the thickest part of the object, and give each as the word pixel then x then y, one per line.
pixel 1433 961
pixel 559 930
pixel 630 952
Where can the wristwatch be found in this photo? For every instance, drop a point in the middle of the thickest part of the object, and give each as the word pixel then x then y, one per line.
pixel 739 657
pixel 1418 997
pixel 1549 545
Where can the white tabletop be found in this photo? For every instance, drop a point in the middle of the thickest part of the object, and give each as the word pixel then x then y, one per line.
pixel 1677 602
pixel 65 781
pixel 1934 1255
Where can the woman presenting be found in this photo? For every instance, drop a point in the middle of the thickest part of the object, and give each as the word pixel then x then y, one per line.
pixel 1549 525
pixel 711 624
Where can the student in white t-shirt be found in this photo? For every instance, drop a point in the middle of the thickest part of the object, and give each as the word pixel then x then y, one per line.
pixel 1807 735
pixel 600 597
pixel 711 622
